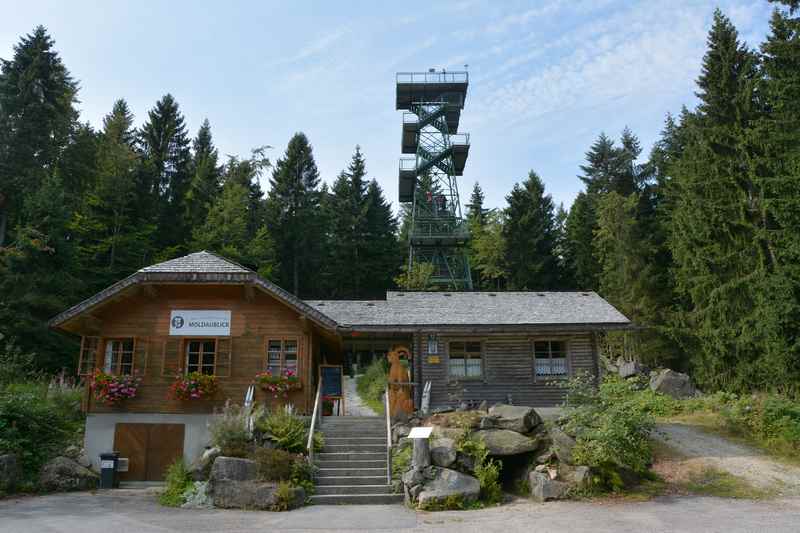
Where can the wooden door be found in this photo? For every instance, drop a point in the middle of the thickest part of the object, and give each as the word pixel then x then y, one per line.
pixel 150 449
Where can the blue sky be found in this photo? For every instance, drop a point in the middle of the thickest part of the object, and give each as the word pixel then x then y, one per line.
pixel 546 77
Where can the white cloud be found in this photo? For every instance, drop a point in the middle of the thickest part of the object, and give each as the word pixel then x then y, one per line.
pixel 314 47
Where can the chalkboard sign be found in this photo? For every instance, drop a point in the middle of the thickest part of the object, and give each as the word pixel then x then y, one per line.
pixel 331 380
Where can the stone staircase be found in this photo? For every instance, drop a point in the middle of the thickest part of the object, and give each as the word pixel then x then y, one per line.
pixel 352 464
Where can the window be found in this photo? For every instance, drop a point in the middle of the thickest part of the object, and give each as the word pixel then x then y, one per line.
pixel 550 358
pixel 118 358
pixel 88 356
pixel 201 356
pixel 282 356
pixel 465 359
pixel 433 345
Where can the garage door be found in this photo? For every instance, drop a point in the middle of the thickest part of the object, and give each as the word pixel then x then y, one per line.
pixel 150 449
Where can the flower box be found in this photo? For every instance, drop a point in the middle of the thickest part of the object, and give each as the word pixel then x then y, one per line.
pixel 193 386
pixel 278 385
pixel 112 389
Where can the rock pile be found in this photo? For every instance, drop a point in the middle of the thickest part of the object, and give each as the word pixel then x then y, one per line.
pixel 440 471
pixel 233 484
pixel 64 474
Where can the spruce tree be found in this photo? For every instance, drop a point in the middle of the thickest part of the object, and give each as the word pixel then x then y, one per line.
pixel 579 253
pixel 206 177
pixel 714 237
pixel 167 159
pixel 566 272
pixel 113 240
pixel 293 217
pixel 382 252
pixel 37 104
pixel 489 259
pixel 475 210
pixel 529 232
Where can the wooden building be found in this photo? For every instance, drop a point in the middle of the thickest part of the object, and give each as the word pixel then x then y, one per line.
pixel 204 313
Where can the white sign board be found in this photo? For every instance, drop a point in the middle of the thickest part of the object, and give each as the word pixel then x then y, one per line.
pixel 200 323
pixel 420 433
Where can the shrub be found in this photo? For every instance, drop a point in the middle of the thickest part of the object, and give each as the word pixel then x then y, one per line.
pixel 303 474
pixel 486 470
pixel 612 425
pixel 15 365
pixel 372 384
pixel 771 420
pixel 401 459
pixel 286 430
pixel 273 464
pixel 229 430
pixel 37 422
pixel 284 496
pixel 178 481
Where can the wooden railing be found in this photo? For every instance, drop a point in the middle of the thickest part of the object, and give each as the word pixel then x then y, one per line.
pixel 314 421
pixel 388 437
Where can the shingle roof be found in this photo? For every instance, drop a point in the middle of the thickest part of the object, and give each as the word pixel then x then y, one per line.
pixel 475 308
pixel 200 267
pixel 198 262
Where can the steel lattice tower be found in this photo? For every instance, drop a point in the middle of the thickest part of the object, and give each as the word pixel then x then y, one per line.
pixel 438 233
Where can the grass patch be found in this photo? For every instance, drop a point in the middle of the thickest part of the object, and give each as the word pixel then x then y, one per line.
pixel 713 482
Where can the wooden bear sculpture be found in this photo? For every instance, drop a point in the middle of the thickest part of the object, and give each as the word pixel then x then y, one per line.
pixel 399 395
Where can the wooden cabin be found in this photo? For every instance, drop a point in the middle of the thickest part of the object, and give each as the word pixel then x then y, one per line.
pixel 204 313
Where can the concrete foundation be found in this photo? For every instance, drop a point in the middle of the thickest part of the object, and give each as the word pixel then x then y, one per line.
pixel 99 436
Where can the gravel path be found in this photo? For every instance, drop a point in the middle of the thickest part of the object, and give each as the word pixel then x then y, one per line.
pixel 353 405
pixel 135 511
pixel 735 458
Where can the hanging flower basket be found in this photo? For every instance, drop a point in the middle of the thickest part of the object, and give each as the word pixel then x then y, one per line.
pixel 193 386
pixel 111 389
pixel 278 386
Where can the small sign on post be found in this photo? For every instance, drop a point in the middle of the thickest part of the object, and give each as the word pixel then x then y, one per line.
pixel 420 433
pixel 421 454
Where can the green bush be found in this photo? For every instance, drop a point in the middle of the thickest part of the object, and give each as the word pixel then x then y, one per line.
pixel 772 421
pixel 401 459
pixel 229 432
pixel 612 424
pixel 372 384
pixel 273 464
pixel 303 474
pixel 284 495
pixel 285 430
pixel 178 481
pixel 38 421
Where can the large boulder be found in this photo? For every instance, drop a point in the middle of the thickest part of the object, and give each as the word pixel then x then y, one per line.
pixel 563 444
pixel 502 442
pixel 672 383
pixel 201 467
pixel 631 368
pixel 443 452
pixel 448 483
pixel 232 469
pixel 543 488
pixel 229 494
pixel 515 417
pixel 10 472
pixel 63 474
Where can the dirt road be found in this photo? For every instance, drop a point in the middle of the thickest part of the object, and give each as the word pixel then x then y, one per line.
pixel 722 454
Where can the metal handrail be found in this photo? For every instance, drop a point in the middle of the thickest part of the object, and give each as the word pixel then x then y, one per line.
pixel 310 443
pixel 388 438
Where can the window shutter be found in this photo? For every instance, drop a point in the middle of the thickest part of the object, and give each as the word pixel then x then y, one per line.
pixel 223 357
pixel 171 359
pixel 141 355
pixel 87 360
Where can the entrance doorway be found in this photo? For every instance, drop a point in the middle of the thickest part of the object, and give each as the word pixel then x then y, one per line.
pixel 150 449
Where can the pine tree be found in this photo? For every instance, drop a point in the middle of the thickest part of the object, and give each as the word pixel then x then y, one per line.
pixel 167 159
pixel 206 177
pixel 475 210
pixel 529 233
pixel 566 272
pixel 37 99
pixel 293 217
pixel 714 235
pixel 490 252
pixel 579 254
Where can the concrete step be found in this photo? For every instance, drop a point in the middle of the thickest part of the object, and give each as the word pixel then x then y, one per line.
pixel 351 471
pixel 335 441
pixel 338 433
pixel 352 480
pixel 375 463
pixel 339 448
pixel 354 499
pixel 351 456
pixel 353 489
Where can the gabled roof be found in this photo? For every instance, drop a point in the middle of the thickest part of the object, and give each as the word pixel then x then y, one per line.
pixel 199 267
pixel 475 309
